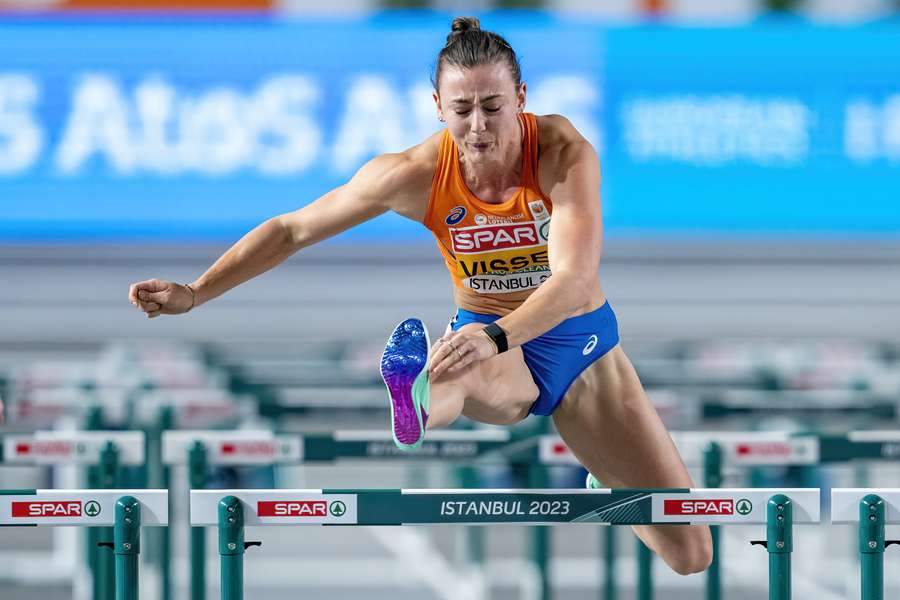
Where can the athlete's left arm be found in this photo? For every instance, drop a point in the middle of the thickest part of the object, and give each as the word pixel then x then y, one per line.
pixel 569 174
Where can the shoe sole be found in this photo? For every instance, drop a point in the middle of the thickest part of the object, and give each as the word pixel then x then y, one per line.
pixel 402 361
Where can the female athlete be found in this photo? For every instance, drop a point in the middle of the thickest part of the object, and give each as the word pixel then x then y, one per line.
pixel 522 341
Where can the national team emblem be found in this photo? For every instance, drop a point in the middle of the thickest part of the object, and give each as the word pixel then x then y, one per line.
pixel 457 214
pixel 538 210
pixel 480 219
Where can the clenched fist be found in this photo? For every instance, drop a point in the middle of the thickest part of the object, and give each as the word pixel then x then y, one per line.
pixel 159 297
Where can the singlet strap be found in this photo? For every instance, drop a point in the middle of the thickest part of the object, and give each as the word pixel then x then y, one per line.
pixel 530 149
pixel 443 173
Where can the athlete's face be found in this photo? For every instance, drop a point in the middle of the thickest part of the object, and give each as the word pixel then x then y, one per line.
pixel 480 106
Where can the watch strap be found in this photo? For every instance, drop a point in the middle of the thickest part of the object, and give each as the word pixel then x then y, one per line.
pixel 498 336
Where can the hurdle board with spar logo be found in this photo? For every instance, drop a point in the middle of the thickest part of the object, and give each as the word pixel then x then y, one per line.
pixel 87 508
pixel 483 507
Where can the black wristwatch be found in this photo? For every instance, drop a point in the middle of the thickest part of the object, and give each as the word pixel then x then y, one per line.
pixel 498 336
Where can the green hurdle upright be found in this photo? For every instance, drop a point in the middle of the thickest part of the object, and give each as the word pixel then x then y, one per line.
pixel 231 510
pixel 104 476
pixel 127 547
pixel 232 547
pixel 126 511
pixel 780 545
pixel 870 510
pixel 197 465
pixel 871 546
pixel 712 475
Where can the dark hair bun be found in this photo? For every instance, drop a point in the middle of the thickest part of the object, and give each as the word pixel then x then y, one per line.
pixel 461 25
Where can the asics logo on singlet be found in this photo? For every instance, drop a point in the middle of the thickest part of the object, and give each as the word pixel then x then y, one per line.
pixel 456 214
pixel 592 343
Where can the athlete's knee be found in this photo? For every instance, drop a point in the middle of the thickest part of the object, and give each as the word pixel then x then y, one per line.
pixel 495 411
pixel 694 554
pixel 511 414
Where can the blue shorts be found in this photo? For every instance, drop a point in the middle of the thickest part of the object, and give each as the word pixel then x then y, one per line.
pixel 557 357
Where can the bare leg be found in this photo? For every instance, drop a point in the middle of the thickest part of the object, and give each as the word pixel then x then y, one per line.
pixel 614 431
pixel 447 397
pixel 498 391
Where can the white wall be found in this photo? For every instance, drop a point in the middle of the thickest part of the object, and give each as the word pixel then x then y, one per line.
pixel 659 292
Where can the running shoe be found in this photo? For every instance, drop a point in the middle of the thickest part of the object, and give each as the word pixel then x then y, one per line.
pixel 593 483
pixel 403 368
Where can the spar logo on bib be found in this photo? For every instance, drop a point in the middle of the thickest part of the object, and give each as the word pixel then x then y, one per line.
pixel 476 240
pixel 503 255
pixel 456 214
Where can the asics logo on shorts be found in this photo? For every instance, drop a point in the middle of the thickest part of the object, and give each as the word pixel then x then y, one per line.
pixel 592 343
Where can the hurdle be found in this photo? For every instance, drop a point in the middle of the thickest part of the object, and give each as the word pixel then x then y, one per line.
pixel 102 452
pixel 716 451
pixel 125 511
pixel 870 406
pixel 55 447
pixel 160 410
pixel 128 406
pixel 231 510
pixel 131 400
pixel 198 450
pixel 870 509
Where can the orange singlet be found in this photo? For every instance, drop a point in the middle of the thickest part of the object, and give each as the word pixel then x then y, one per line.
pixel 496 253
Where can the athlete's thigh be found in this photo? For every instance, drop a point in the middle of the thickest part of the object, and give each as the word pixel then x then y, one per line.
pixel 499 390
pixel 611 426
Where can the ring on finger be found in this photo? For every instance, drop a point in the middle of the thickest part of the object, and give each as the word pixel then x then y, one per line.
pixel 455 349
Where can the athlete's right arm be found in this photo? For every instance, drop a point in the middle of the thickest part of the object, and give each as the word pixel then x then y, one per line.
pixel 388 182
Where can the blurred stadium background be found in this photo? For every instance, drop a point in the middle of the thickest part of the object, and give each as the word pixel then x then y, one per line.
pixel 751 169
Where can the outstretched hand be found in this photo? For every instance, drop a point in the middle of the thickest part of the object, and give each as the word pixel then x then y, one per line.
pixel 159 297
pixel 456 350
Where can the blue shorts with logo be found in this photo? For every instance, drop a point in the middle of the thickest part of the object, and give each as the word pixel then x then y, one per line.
pixel 557 357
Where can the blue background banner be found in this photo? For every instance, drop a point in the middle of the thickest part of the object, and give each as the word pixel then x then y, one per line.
pixel 199 130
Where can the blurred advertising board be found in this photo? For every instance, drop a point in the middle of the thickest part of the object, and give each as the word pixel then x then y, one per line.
pixel 62 6
pixel 126 129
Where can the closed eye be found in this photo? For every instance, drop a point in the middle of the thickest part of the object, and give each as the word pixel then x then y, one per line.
pixel 462 113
